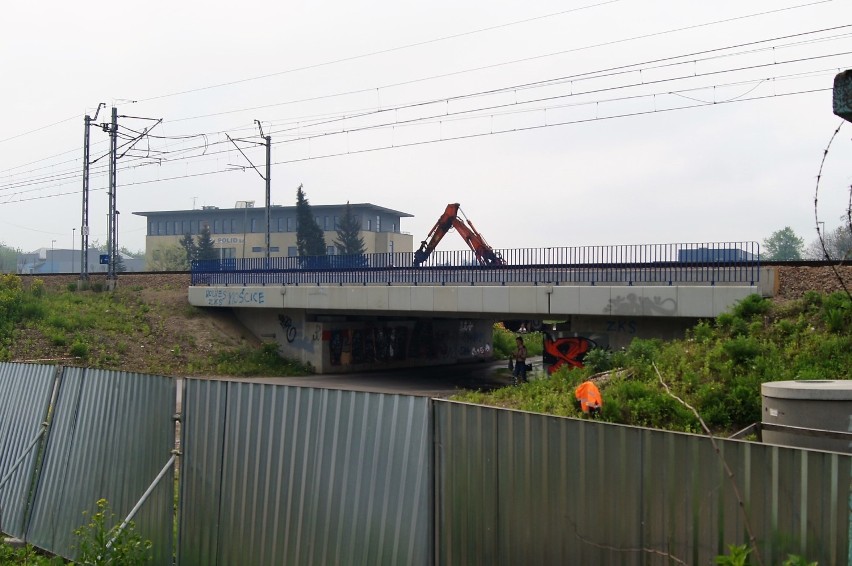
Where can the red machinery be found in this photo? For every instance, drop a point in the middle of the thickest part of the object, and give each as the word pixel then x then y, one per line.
pixel 450 219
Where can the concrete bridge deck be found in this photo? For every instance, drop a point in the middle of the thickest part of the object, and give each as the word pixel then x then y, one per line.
pixel 375 315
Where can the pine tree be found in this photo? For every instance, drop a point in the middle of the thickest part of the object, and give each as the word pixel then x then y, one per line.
pixel 188 245
pixel 349 240
pixel 310 240
pixel 204 248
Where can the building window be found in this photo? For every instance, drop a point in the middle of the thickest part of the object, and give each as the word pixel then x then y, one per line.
pixel 177 228
pixel 274 249
pixel 193 227
pixel 336 223
pixel 256 249
pixel 161 228
pixel 369 225
pixel 330 250
pixel 278 224
pixel 292 251
pixel 254 225
pixel 215 226
pixel 224 226
pixel 378 223
pixel 229 253
pixel 326 223
pixel 291 224
pixel 151 227
pixel 233 225
pixel 393 227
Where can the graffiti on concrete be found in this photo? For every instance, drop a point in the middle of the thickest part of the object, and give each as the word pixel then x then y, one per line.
pixel 376 343
pixel 287 326
pixel 471 342
pixel 366 345
pixel 633 304
pixel 225 297
pixel 565 351
pixel 624 326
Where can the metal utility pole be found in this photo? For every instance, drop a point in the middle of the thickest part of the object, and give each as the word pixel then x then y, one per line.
pixel 267 178
pixel 84 226
pixel 113 157
pixel 268 188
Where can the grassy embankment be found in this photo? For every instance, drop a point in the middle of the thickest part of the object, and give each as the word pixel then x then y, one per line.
pixel 717 368
pixel 129 329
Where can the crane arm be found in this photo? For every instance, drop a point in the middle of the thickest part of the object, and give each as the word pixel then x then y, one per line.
pixel 438 231
pixel 485 255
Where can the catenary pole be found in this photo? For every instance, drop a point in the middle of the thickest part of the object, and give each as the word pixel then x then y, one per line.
pixel 268 190
pixel 113 150
pixel 84 225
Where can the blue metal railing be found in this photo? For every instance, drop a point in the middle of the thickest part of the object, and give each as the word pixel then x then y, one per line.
pixel 655 264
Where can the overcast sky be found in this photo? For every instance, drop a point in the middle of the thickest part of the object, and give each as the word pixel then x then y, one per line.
pixel 580 122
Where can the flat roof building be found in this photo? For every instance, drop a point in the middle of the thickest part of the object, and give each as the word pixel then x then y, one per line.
pixel 240 232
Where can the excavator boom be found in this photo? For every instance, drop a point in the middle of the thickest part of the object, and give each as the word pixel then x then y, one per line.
pixel 485 255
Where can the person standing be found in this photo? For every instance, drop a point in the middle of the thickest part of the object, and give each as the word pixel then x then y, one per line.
pixel 519 373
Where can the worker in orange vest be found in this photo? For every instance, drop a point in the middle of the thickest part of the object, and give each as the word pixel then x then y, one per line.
pixel 589 397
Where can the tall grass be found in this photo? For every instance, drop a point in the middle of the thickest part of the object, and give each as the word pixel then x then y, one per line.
pixel 718 367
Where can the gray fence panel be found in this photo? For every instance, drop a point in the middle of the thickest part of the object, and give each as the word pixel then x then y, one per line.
pixel 312 476
pixel 576 491
pixel 25 391
pixel 112 434
pixel 202 438
pixel 466 472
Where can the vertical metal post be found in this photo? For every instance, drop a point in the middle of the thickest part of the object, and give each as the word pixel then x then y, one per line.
pixel 84 226
pixel 111 242
pixel 268 190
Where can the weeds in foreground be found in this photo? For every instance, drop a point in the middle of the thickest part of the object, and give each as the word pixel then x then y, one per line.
pixel 102 541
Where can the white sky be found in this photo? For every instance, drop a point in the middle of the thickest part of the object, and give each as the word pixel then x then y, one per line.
pixel 726 172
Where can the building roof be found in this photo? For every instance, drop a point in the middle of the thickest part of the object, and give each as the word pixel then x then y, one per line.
pixel 314 207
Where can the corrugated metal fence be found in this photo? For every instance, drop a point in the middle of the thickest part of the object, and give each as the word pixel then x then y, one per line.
pixel 291 475
pixel 109 435
pixel 515 487
pixel 273 474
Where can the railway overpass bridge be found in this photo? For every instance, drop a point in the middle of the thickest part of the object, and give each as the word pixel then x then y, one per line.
pixel 357 313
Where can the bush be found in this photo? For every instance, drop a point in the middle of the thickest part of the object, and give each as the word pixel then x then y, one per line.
pixel 598 360
pixel 79 349
pixel 752 306
pixel 741 349
pixel 642 352
pixel 100 542
pixel 37 288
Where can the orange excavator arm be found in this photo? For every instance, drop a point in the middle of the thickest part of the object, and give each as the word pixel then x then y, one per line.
pixel 485 255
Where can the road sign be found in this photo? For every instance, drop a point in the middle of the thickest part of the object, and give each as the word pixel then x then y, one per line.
pixel 104 259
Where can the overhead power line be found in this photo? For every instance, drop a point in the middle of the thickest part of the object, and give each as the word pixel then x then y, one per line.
pixel 428 142
pixel 379 52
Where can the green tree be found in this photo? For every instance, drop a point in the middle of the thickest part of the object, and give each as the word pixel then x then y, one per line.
pixel 204 248
pixel 138 254
pixel 8 259
pixel 168 258
pixel 783 245
pixel 189 247
pixel 349 240
pixel 310 239
pixel 838 244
